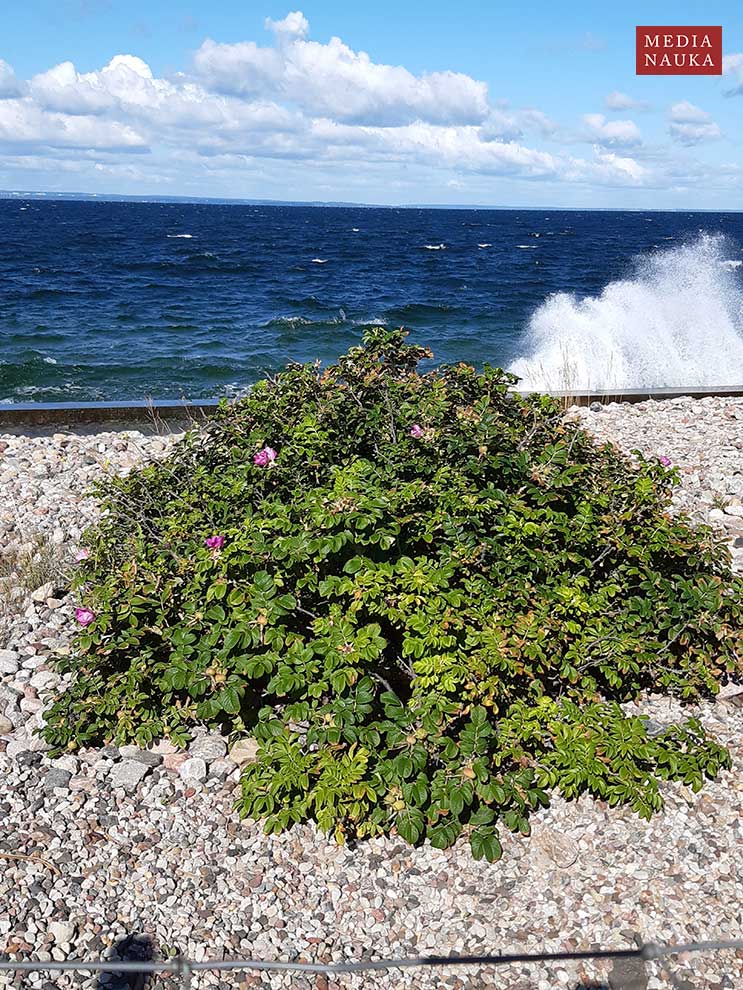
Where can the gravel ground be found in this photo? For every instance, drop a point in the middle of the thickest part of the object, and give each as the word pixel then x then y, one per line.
pixel 110 844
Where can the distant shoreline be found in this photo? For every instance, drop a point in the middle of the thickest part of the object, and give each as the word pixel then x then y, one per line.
pixel 72 197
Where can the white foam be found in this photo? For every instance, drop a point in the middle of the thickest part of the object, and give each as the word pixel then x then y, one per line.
pixel 527 247
pixel 319 261
pixel 486 245
pixel 676 321
pixel 434 247
pixel 731 264
pixel 186 236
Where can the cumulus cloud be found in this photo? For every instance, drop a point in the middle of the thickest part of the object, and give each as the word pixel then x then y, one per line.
pixel 612 132
pixel 335 81
pixel 23 124
pixel 689 124
pixel 511 125
pixel 621 102
pixel 294 25
pixel 687 113
pixel 10 87
pixel 295 101
pixel 732 68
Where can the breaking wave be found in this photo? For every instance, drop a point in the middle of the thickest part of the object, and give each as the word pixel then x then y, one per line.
pixel 677 321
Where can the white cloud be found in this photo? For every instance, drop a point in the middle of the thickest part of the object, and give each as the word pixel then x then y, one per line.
pixel 23 124
pixel 732 66
pixel 614 167
pixel 694 133
pixel 510 125
pixel 688 113
pixel 335 81
pixel 689 124
pixel 620 102
pixel 10 87
pixel 296 107
pixel 612 132
pixel 294 25
pixel 64 90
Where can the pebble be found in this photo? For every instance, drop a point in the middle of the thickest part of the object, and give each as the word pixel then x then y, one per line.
pixel 208 746
pixel 128 774
pixel 9 661
pixel 146 756
pixel 244 751
pixel 193 770
pixel 56 778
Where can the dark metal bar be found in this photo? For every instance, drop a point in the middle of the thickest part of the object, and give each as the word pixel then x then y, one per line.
pixel 185 967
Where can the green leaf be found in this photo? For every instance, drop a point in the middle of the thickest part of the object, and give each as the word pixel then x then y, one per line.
pixel 485 845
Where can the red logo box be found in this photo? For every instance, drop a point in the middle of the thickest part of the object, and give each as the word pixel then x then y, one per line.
pixel 679 51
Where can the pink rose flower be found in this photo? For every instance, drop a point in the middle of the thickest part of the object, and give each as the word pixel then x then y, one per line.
pixel 84 616
pixel 416 431
pixel 214 542
pixel 665 461
pixel 82 554
pixel 265 457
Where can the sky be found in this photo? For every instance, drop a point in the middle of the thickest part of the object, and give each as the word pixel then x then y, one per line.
pixel 473 103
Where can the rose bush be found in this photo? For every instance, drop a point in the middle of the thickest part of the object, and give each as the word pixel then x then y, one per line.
pixel 425 596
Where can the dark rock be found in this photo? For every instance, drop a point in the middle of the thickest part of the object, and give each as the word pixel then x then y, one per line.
pixel 56 778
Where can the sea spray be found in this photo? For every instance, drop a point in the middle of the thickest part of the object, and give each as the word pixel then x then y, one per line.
pixel 676 321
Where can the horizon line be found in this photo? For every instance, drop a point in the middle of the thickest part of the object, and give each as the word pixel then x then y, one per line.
pixel 14 194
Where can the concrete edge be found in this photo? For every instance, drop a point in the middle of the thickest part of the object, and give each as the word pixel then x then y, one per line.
pixel 40 414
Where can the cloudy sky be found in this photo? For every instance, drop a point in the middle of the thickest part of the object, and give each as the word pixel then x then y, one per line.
pixel 387 102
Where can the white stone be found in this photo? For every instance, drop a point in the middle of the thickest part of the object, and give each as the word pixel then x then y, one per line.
pixel 44 679
pixel 9 661
pixel 244 751
pixel 208 747
pixel 62 931
pixel 43 592
pixel 193 771
pixel 67 762
pixel 128 774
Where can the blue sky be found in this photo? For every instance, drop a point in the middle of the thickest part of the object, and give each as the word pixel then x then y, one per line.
pixel 501 104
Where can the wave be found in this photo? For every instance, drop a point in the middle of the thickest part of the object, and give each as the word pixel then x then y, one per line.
pixel 485 245
pixel 434 247
pixel 677 321
pixel 176 236
pixel 319 261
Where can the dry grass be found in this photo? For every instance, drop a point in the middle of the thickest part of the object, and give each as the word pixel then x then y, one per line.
pixel 563 382
pixel 24 567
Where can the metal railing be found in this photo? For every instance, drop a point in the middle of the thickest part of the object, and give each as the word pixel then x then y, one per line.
pixel 184 968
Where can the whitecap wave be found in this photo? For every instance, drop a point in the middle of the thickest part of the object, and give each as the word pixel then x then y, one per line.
pixel 319 261
pixel 184 236
pixel 434 247
pixel 676 321
pixel 486 245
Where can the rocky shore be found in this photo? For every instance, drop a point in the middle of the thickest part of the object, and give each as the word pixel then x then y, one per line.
pixel 104 845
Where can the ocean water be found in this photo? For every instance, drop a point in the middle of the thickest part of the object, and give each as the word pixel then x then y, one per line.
pixel 124 300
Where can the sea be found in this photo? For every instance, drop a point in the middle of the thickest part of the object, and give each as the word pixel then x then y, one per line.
pixel 108 301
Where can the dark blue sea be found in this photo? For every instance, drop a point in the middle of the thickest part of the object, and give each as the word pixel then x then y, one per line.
pixel 124 300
